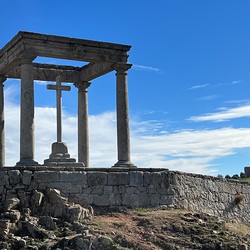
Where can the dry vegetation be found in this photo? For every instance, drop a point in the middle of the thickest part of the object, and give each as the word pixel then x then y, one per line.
pixel 146 229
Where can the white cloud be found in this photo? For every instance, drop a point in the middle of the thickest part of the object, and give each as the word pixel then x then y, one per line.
pixel 207 98
pixel 224 114
pixel 185 150
pixel 220 84
pixel 199 86
pixel 145 68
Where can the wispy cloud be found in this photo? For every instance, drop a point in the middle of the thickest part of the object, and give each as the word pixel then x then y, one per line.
pixel 224 114
pixel 145 68
pixel 207 98
pixel 216 85
pixel 199 86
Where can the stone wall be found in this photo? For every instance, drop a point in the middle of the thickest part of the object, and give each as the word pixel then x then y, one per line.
pixel 134 188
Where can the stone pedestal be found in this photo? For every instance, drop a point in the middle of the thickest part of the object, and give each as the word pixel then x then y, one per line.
pixel 60 156
pixel 2 135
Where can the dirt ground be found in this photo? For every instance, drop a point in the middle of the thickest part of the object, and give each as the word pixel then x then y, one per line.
pixel 146 229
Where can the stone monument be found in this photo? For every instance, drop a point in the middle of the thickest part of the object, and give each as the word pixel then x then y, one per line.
pixel 16 61
pixel 59 155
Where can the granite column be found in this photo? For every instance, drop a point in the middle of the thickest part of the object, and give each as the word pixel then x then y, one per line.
pixel 27 148
pixel 123 137
pixel 83 128
pixel 2 133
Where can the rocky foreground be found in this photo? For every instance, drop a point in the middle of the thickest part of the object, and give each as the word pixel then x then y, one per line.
pixel 50 221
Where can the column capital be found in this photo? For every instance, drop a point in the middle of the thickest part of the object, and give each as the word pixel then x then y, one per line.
pixel 27 59
pixel 82 86
pixel 2 79
pixel 122 67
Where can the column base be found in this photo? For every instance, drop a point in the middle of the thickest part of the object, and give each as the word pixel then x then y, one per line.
pixel 27 162
pixel 60 156
pixel 124 164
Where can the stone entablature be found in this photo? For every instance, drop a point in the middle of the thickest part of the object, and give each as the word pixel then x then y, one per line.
pixel 112 187
pixel 16 61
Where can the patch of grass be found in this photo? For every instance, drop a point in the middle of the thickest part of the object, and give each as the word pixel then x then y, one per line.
pixel 238 228
pixel 119 224
pixel 245 179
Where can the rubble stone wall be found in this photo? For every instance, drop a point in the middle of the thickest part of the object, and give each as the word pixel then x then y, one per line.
pixel 135 188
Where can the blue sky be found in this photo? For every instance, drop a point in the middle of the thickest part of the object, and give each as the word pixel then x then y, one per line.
pixel 188 89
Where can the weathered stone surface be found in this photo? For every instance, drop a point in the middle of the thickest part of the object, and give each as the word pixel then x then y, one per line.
pixel 96 178
pixel 101 200
pixel 105 188
pixel 54 197
pixel 4 178
pixel 118 178
pixel 63 186
pixel 97 190
pixel 103 242
pixel 47 176
pixel 36 198
pixel 14 176
pixel 5 226
pixel 12 215
pixel 76 212
pixel 135 200
pixel 136 179
pixel 27 177
pixel 11 202
pixel 67 176
pixel 108 190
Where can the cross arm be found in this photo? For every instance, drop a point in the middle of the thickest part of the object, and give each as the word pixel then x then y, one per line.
pixel 56 87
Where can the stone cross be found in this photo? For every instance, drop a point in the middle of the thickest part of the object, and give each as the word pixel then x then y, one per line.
pixel 59 88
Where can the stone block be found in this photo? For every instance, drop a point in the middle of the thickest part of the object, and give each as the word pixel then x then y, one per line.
pixel 132 190
pixel 47 176
pixel 24 197
pixel 166 200
pixel 116 200
pixel 27 177
pixel 36 198
pixel 122 189
pixel 14 176
pixel 96 178
pixel 118 178
pixel 147 179
pixel 119 189
pixel 154 199
pixel 142 189
pixel 82 184
pixel 89 198
pixel 136 179
pixel 75 189
pixel 156 179
pixel 108 190
pixel 165 179
pixel 2 190
pixel 101 200
pixel 97 190
pixel 135 200
pixel 87 190
pixel 33 186
pixel 62 186
pixel 4 178
pixel 68 176
pixel 151 190
pixel 152 179
pixel 162 190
